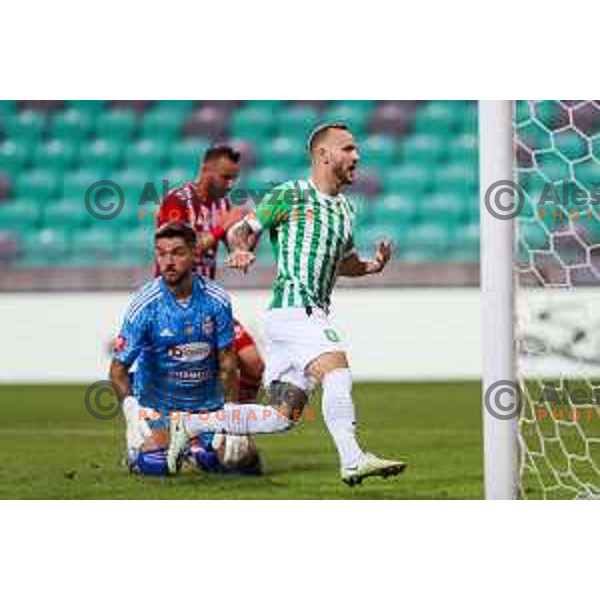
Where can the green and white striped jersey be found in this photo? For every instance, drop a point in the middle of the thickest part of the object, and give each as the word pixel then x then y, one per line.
pixel 311 234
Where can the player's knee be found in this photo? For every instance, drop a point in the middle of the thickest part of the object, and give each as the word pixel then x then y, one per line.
pixel 327 363
pixel 288 399
pixel 152 463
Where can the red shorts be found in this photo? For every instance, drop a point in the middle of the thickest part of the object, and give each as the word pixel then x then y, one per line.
pixel 242 339
pixel 248 386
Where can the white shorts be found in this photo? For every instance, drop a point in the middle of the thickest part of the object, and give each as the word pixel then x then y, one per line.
pixel 294 340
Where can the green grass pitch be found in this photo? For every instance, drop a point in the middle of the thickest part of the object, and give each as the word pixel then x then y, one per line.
pixel 52 448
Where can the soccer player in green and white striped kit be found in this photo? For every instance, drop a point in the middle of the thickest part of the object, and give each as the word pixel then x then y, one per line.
pixel 310 226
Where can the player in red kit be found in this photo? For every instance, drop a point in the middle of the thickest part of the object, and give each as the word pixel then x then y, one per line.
pixel 204 205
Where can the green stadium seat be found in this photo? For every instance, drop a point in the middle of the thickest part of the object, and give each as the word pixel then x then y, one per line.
pixel 456 178
pixel 264 179
pixel 407 179
pixel 533 235
pixel 7 108
pixel 188 154
pixel 356 114
pixel 76 183
pixel 445 207
pixel 56 155
pixel 163 124
pixel 69 213
pixel 183 108
pixel 25 128
pixel 283 152
pixel 89 107
pixel 116 124
pixel 20 215
pixel 272 105
pixel 145 154
pixel 378 151
pixel 434 236
pixel 72 125
pixel 463 149
pixel 133 183
pixel 297 121
pixel 395 209
pixel 438 116
pixel 12 157
pixel 253 123
pixel 104 155
pixel 45 247
pixel 176 176
pixel 424 148
pixel 37 184
pixel 94 244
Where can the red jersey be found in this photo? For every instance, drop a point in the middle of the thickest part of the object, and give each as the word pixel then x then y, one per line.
pixel 184 204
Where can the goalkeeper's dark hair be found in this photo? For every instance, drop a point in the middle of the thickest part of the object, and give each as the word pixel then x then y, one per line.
pixel 320 132
pixel 176 229
pixel 222 150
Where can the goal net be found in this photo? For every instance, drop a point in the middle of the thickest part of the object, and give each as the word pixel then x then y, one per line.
pixel 557 297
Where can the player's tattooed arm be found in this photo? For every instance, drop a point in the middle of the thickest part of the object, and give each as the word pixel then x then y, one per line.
pixel 354 266
pixel 241 239
pixel 119 375
pixel 228 374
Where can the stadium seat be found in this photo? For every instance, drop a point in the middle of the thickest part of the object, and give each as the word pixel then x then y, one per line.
pixel 455 178
pixel 12 157
pixel 70 214
pixel 145 154
pixel 93 108
pixel 407 179
pixel 72 126
pixel 95 244
pixel 356 114
pixel 463 149
pixel 424 148
pixel 283 152
pixel 378 150
pixel 38 184
pixel 554 166
pixel 104 155
pixel 187 155
pixel 297 121
pixel 56 155
pixel 431 236
pixel 163 125
pixel 25 128
pixel 443 207
pixel 392 118
pixel 367 182
pixel 77 182
pixel 551 114
pixel 118 125
pixel 252 123
pixel 44 247
pixel 20 215
pixel 209 122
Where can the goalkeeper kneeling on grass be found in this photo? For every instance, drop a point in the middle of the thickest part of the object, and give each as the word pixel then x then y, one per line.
pixel 179 329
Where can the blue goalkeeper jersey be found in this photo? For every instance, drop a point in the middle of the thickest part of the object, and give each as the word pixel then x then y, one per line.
pixel 176 345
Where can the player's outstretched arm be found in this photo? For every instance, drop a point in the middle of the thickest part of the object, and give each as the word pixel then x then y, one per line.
pixel 354 266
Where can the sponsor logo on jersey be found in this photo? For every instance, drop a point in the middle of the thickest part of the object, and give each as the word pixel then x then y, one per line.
pixel 166 332
pixel 193 352
pixel 208 326
pixel 196 375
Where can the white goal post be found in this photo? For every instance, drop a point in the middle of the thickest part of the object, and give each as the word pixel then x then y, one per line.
pixel 540 297
pixel 501 466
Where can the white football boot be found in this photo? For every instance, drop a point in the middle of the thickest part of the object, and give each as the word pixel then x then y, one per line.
pixel 178 444
pixel 371 466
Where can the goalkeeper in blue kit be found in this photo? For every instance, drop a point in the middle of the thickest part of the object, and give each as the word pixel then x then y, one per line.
pixel 182 403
